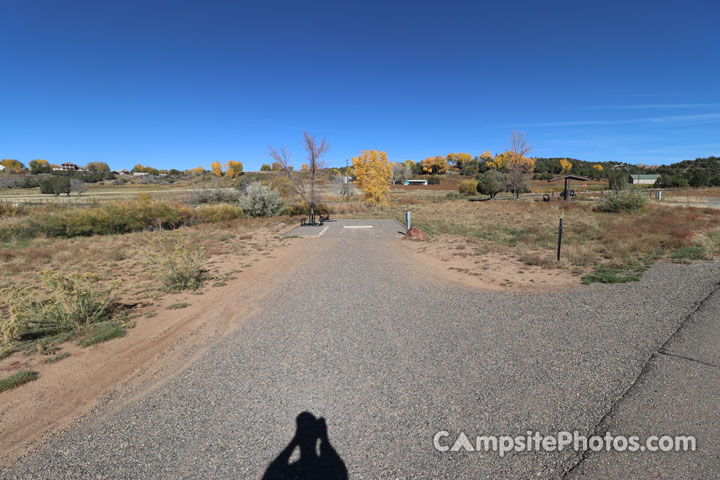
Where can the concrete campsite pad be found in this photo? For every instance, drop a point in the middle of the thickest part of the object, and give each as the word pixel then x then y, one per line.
pixel 351 228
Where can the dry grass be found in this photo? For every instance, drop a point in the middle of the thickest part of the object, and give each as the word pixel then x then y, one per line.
pixel 527 230
pixel 683 194
pixel 127 257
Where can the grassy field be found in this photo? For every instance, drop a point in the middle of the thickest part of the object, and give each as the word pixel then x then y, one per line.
pixel 132 260
pixel 611 244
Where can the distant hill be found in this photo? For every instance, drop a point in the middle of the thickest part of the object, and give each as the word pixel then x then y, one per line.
pixel 700 172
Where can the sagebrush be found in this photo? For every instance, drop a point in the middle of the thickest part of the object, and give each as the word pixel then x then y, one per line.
pixel 261 201
pixel 627 200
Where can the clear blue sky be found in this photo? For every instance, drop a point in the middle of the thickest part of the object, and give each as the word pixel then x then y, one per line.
pixel 182 84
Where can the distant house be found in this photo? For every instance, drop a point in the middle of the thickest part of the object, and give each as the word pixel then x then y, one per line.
pixel 415 182
pixel 70 167
pixel 2 167
pixel 139 174
pixel 124 171
pixel 642 179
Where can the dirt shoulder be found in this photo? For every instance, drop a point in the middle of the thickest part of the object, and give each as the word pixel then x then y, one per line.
pixel 151 351
pixel 452 258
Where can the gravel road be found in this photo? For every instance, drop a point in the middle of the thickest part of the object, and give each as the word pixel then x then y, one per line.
pixel 388 358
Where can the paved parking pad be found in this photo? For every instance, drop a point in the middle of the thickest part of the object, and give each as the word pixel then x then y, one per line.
pixel 351 228
pixel 389 359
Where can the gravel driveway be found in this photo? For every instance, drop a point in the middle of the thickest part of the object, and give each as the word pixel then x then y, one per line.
pixel 388 359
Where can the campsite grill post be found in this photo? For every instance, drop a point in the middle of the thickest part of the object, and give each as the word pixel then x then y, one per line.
pixel 407 221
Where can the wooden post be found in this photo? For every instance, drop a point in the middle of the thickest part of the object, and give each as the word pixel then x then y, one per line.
pixel 560 228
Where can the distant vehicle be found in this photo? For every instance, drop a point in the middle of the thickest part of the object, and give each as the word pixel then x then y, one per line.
pixel 415 182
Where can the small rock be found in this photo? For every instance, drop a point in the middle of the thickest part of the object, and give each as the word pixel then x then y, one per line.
pixel 415 234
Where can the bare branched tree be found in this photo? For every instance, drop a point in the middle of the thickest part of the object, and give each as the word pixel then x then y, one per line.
pixel 519 163
pixel 315 151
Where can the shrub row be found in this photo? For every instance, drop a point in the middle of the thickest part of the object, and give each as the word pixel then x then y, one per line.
pixel 111 218
pixel 627 200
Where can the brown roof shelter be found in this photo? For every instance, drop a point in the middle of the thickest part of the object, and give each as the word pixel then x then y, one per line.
pixel 567 179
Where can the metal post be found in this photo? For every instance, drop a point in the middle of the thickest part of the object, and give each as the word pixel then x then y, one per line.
pixel 407 221
pixel 559 238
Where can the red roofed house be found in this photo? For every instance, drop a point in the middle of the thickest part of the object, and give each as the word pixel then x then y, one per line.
pixel 70 166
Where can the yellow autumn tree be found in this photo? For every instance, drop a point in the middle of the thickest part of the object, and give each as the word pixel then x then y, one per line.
pixel 374 173
pixel 598 167
pixel 511 161
pixel 526 164
pixel 233 168
pixel 12 166
pixel 197 170
pixel 497 162
pixel 216 168
pixel 486 156
pixel 457 159
pixel 565 165
pixel 304 167
pixel 434 165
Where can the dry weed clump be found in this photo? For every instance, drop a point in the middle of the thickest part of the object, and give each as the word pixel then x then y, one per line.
pixel 179 267
pixel 63 303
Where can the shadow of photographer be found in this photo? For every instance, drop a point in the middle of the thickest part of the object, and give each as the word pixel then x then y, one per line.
pixel 316 462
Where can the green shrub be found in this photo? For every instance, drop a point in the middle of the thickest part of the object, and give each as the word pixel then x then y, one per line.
pixel 55 185
pixel 260 201
pixel 242 183
pixel 491 183
pixel 434 180
pixel 181 268
pixel 64 303
pixel 17 379
pixel 692 252
pixel 606 274
pixel 468 187
pixel 176 306
pixel 618 180
pixel 629 200
pixel 57 358
pixel 102 333
pixel 214 195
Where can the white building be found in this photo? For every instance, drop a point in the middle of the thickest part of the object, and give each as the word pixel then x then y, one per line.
pixel 642 179
pixel 71 167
